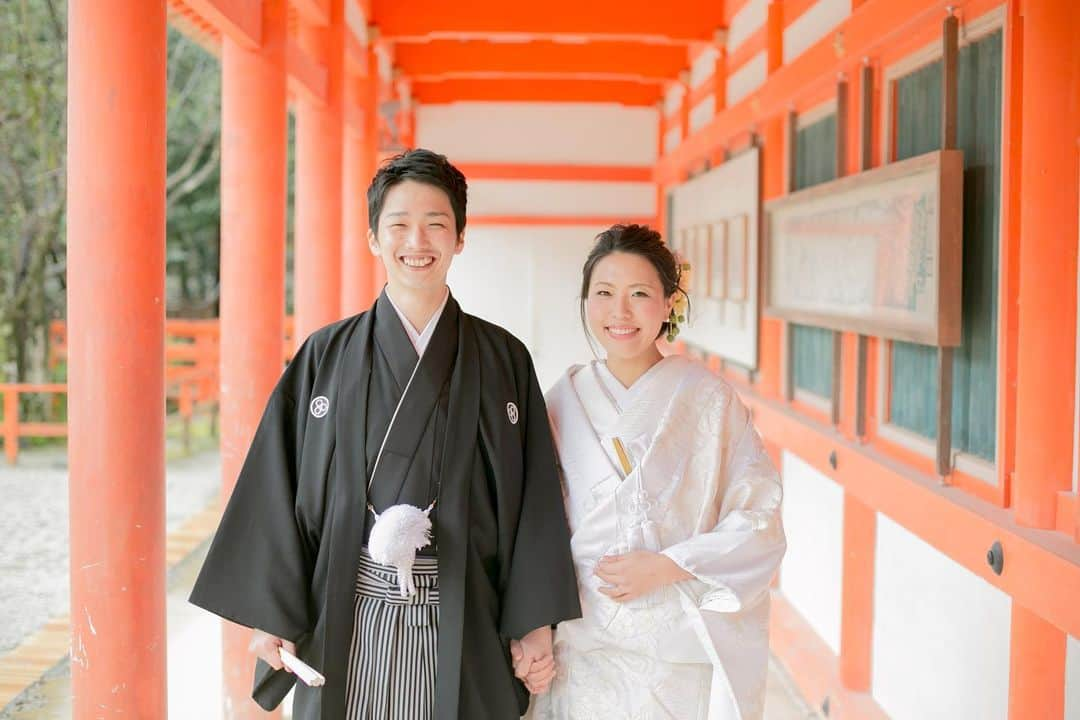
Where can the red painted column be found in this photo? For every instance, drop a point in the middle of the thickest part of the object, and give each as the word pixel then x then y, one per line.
pixel 357 271
pixel 774 28
pixel 1050 170
pixel 319 131
pixel 857 601
pixel 770 330
pixel 375 89
pixel 116 372
pixel 253 196
pixel 1046 344
pixel 1036 667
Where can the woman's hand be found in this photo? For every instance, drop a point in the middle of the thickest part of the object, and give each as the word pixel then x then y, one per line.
pixel 637 573
pixel 265 646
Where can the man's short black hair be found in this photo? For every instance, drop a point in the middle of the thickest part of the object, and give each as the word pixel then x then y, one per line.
pixel 423 166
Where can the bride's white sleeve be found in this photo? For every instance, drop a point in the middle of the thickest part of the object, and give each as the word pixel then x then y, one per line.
pixel 736 558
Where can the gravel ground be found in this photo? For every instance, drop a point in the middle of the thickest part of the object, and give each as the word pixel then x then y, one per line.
pixel 34 532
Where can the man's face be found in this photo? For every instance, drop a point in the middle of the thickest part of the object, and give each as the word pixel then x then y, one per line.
pixel 417 237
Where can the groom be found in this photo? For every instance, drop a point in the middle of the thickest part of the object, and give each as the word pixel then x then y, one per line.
pixel 411 403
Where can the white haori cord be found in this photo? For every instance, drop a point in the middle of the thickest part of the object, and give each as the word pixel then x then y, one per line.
pixel 401 529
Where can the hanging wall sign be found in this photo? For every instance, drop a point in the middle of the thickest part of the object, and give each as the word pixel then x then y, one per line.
pixel 878 253
pixel 714 219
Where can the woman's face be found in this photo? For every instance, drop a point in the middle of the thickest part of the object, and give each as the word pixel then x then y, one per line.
pixel 626 305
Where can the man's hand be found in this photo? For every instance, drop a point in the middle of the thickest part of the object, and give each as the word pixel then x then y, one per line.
pixel 638 573
pixel 534 663
pixel 265 646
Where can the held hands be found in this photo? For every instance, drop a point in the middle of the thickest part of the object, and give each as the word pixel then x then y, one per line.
pixel 637 573
pixel 265 646
pixel 534 663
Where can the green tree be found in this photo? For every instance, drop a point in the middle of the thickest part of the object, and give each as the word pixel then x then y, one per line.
pixel 33 113
pixel 193 182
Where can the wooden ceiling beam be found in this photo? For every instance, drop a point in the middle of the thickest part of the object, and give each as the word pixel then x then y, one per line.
pixel 241 20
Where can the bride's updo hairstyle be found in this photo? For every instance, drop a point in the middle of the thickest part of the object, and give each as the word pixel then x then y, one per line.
pixel 639 240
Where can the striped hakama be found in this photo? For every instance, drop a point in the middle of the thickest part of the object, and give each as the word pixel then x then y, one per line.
pixel 394 644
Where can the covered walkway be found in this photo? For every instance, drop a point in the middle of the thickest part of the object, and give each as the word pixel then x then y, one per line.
pixel 881 201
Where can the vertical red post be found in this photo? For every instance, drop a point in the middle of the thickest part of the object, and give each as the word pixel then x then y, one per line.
pixel 1050 170
pixel 357 272
pixel 1036 667
pixel 1046 345
pixel 116 371
pixel 253 197
pixel 684 106
pixel 319 131
pixel 774 28
pixel 770 342
pixel 11 425
pixel 374 125
pixel 857 601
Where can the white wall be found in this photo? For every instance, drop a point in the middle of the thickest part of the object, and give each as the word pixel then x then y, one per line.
pixel 561 198
pixel 813 25
pixel 941 634
pixel 746 22
pixel 527 280
pixel 526 277
pixel 810 576
pixel 540 133
pixel 1072 679
pixel 747 78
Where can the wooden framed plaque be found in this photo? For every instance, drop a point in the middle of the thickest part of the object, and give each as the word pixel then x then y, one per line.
pixel 878 253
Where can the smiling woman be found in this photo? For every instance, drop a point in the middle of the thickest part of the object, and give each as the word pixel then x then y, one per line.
pixel 674 512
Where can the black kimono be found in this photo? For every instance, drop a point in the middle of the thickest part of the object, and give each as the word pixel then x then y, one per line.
pixel 285 557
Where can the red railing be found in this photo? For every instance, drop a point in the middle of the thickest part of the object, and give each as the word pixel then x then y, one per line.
pixel 192 356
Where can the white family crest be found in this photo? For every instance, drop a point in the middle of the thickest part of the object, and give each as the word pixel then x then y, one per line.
pixel 512 413
pixel 320 405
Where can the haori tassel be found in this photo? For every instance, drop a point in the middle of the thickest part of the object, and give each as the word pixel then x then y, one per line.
pixel 650 536
pixel 398 533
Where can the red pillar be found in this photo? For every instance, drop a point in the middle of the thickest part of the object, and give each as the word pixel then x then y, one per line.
pixel 1049 171
pixel 318 182
pixel 375 90
pixel 1036 667
pixel 253 187
pixel 1046 347
pixel 116 373
pixel 357 266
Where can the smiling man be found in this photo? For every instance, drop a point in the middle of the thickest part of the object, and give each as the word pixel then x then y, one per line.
pixel 410 422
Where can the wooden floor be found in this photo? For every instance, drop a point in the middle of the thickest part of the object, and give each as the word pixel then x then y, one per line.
pixel 41 651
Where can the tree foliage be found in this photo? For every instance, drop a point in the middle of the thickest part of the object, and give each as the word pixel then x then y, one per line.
pixel 33 145
pixel 33 113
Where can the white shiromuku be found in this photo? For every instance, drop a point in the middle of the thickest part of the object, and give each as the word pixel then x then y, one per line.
pixel 702 491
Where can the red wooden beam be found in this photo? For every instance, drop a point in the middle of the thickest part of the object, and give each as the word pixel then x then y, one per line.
pixel 563 90
pixel 864 32
pixel 695 22
pixel 599 173
pixel 241 20
pixel 560 220
pixel 314 12
pixel 453 56
pixel 1042 568
pixel 306 76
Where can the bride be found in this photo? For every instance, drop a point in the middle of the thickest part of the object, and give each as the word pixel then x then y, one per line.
pixel 674 509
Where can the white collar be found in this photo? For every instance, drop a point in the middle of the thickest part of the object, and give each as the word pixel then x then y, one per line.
pixel 421 339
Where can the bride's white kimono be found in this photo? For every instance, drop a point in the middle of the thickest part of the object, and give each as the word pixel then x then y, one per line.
pixel 702 491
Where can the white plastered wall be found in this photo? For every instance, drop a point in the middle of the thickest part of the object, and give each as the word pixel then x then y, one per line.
pixel 941 634
pixel 813 25
pixel 526 277
pixel 540 133
pixel 811 574
pixel 1072 679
